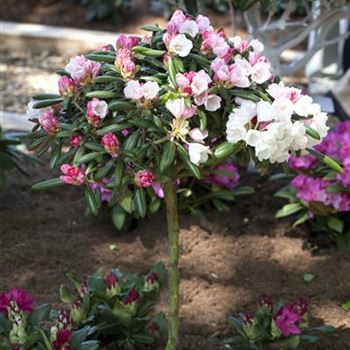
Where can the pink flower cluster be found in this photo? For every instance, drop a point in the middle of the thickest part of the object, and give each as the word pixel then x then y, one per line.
pixel 18 298
pixel 287 319
pixel 110 143
pixel 224 175
pixel 123 58
pixel 82 70
pixel 72 175
pixel 314 189
pixel 49 122
pixel 144 178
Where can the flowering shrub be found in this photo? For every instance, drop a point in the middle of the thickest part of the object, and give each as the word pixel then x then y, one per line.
pixel 146 114
pixel 284 325
pixel 116 307
pixel 111 310
pixel 319 195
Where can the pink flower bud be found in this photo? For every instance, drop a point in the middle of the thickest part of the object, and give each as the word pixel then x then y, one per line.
pixel 49 122
pixel 131 297
pixel 72 175
pixel 123 61
pixel 67 87
pixel 110 143
pixel 127 41
pixel 144 178
pixel 62 339
pixel 75 140
pixel 111 280
pixel 248 318
pixel 152 277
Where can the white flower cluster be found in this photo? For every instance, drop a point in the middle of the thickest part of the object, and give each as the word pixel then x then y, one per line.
pixel 275 129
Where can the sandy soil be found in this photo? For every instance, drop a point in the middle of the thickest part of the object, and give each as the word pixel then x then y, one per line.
pixel 227 259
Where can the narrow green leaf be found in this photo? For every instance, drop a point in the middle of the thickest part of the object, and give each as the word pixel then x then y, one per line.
pixel 106 79
pixel 148 52
pixel 118 217
pixel 140 202
pixel 44 185
pixel 86 158
pixel 101 57
pixel 121 106
pixel 65 295
pixel 312 132
pixel 90 199
pixel 224 150
pixel 101 94
pixel 330 162
pixel 335 224
pixel 47 103
pixel 289 209
pixel 168 155
pixel 40 97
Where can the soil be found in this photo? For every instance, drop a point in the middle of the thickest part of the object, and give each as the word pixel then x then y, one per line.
pixel 227 259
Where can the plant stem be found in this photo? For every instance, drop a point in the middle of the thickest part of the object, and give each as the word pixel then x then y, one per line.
pixel 173 262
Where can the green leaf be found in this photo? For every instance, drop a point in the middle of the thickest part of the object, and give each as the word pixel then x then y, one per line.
pixel 101 94
pixel 78 337
pixel 140 202
pixel 121 106
pixel 90 199
pixel 301 220
pixel 154 205
pixel 289 209
pixel 309 277
pixel 151 28
pixel 330 162
pixel 346 306
pixel 111 128
pixel 243 190
pixel 119 172
pixel 40 97
pixel 191 7
pixel 118 217
pixel 312 132
pixel 101 58
pixel 44 185
pixel 189 165
pixel 168 155
pixel 148 52
pixel 40 314
pixel 89 345
pixel 47 103
pixel 335 224
pixel 224 150
pixel 86 158
pixel 65 295
pixel 172 71
pixel 96 285
pixel 106 79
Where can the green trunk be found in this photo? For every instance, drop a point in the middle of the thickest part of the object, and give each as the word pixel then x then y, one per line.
pixel 173 262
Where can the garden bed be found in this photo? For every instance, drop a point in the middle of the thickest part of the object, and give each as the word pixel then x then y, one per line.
pixel 227 259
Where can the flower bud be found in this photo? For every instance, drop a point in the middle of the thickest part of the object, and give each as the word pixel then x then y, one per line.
pixel 112 287
pixel 130 301
pixel 110 143
pixel 144 178
pixel 75 140
pixel 152 282
pixel 77 312
pixel 67 86
pixel 49 122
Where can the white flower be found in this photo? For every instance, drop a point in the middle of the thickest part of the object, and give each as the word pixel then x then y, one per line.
pixel 203 24
pixel 189 27
pixel 298 135
pixel 212 103
pixel 133 90
pixel 303 105
pixel 99 107
pixel 249 106
pixel 75 67
pixel 176 107
pixel 319 124
pixel 235 126
pixel 198 153
pixel 150 90
pixel 244 66
pixel 180 45
pixel 265 111
pixel 261 72
pixel 257 45
pixel 197 135
pixel 200 82
pixel 283 109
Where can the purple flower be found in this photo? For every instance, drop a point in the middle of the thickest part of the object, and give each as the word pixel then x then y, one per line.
pixel 302 163
pixel 23 300
pixel 286 320
pixel 157 188
pixel 225 175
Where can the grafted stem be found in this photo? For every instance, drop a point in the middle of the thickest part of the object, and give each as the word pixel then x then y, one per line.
pixel 173 264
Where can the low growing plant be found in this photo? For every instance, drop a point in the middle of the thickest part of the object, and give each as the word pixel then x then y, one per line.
pixel 319 195
pixel 277 325
pixel 166 110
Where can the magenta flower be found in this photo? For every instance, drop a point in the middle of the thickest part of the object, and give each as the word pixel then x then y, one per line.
pixel 144 178
pixel 19 296
pixel 127 41
pixel 67 87
pixel 72 175
pixel 111 280
pixel 62 339
pixel 75 141
pixel 287 319
pixel 229 177
pixel 131 297
pixel 302 163
pixel 110 143
pixel 49 122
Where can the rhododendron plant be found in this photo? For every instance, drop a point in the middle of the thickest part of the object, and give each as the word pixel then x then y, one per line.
pixel 320 196
pixel 179 103
pixel 285 325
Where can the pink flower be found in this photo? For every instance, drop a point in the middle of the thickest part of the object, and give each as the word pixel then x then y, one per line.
pixel 131 297
pixel 144 178
pixel 286 320
pixel 96 110
pixel 302 163
pixel 18 296
pixel 345 177
pixel 240 44
pixel 106 194
pixel 67 86
pixel 216 43
pixel 110 143
pixel 82 70
pixel 225 175
pixel 62 339
pixel 49 122
pixel 72 175
pixel 75 141
pixel 127 41
pixel 176 20
pixel 111 280
pixel 203 24
pixel 123 61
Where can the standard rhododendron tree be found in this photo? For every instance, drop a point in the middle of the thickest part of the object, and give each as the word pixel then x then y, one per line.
pixel 138 121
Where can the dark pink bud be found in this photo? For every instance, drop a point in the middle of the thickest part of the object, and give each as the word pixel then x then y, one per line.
pixel 110 143
pixel 75 141
pixel 62 339
pixel 131 297
pixel 144 178
pixel 266 301
pixel 111 280
pixel 152 277
pixel 84 287
pixel 16 296
pixel 248 318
